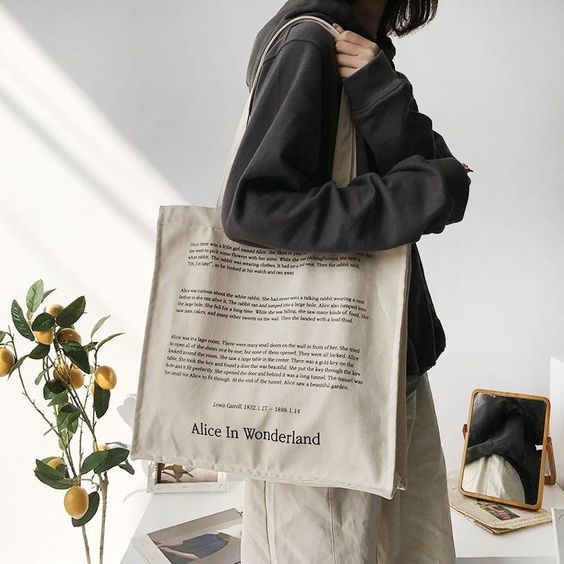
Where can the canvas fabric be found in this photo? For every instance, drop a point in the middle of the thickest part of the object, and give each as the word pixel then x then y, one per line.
pixel 308 349
pixel 321 525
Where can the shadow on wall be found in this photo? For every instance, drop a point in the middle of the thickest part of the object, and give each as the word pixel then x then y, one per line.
pixel 137 63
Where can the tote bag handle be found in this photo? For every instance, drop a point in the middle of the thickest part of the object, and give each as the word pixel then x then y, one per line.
pixel 344 157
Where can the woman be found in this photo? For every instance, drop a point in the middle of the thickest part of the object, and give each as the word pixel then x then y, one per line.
pixel 279 195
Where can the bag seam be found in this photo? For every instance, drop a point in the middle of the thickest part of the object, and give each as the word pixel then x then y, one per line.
pixel 331 525
pixel 267 523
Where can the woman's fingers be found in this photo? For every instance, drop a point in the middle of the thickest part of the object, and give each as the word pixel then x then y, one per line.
pixel 348 60
pixel 352 61
pixel 353 51
pixel 346 47
pixel 345 72
pixel 369 50
pixel 351 36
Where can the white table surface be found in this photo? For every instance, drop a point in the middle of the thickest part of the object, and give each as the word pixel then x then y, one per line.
pixel 534 545
pixel 473 544
pixel 166 509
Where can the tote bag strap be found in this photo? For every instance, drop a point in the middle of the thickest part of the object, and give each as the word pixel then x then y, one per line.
pixel 344 157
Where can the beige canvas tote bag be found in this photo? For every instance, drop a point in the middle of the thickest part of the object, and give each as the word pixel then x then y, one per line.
pixel 278 365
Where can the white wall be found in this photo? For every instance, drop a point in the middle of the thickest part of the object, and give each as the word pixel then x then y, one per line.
pixel 109 109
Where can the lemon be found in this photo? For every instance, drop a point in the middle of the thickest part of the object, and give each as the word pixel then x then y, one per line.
pixel 44 337
pixel 101 446
pixel 68 334
pixel 105 377
pixel 7 360
pixel 76 502
pixel 55 462
pixel 54 309
pixel 76 377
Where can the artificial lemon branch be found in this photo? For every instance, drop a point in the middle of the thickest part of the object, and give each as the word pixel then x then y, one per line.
pixel 64 363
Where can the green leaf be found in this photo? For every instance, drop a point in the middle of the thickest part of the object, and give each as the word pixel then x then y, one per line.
pixel 59 399
pixel 127 467
pixel 53 388
pixel 34 296
pixel 39 377
pixel 51 477
pixel 101 400
pixel 75 351
pixel 115 457
pixel 65 439
pixel 93 503
pixel 67 417
pixel 71 314
pixel 40 351
pixel 101 461
pixel 56 391
pixel 99 324
pixel 17 364
pixel 93 460
pixel 43 322
pixel 47 293
pixel 104 341
pixel 2 335
pixel 20 321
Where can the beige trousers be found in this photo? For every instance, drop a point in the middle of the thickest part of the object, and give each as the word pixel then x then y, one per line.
pixel 293 524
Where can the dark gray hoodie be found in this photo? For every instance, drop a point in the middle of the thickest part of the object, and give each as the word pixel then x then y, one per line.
pixel 279 193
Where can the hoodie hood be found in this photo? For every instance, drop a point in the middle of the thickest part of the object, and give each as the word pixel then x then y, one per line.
pixel 332 11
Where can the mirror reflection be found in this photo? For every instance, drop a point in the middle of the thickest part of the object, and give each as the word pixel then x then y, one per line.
pixel 505 445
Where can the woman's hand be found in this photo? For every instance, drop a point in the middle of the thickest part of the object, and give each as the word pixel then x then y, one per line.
pixel 353 51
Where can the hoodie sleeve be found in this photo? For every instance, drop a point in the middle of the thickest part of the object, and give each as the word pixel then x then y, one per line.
pixel 384 109
pixel 277 194
pixel 441 148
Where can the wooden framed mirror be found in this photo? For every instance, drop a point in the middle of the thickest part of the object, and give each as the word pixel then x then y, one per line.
pixel 507 450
